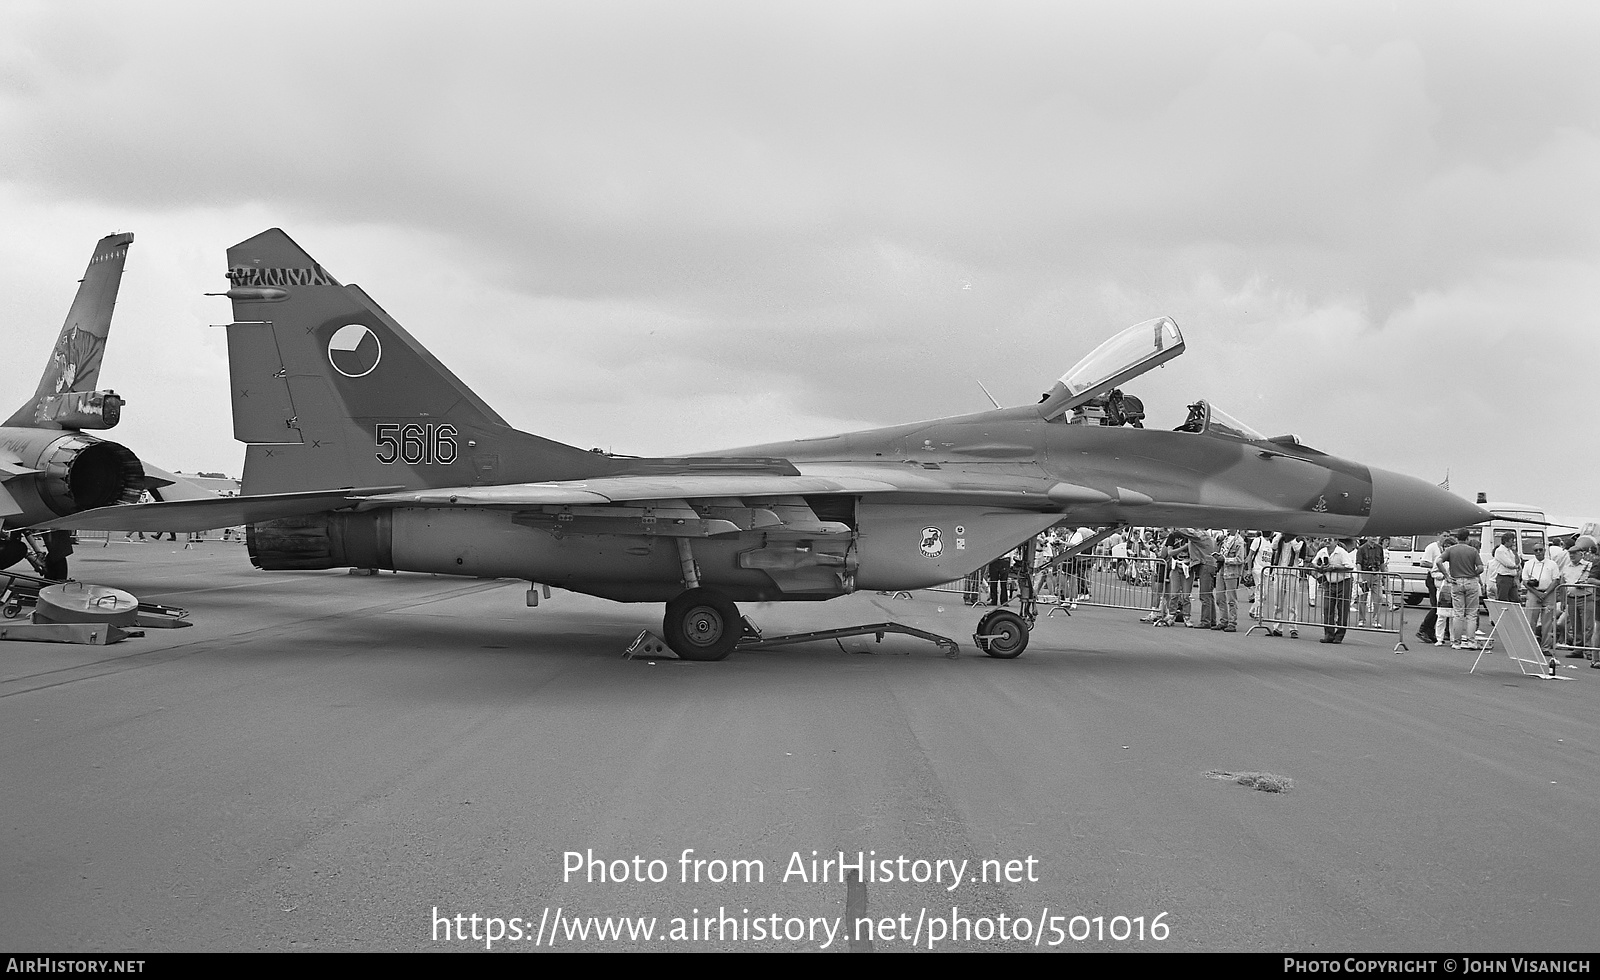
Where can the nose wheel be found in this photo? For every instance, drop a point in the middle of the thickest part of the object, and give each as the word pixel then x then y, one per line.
pixel 702 624
pixel 1002 634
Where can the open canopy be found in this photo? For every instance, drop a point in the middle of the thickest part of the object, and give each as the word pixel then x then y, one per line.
pixel 1125 356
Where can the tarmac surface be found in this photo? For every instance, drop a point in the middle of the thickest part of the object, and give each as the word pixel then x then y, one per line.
pixel 336 762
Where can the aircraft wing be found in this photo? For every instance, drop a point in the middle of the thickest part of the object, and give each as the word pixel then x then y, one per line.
pixel 619 489
pixel 170 486
pixel 1004 490
pixel 779 498
pixel 1000 489
pixel 212 512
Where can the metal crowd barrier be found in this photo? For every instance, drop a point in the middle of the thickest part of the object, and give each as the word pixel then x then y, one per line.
pixel 1576 626
pixel 1283 598
pixel 1300 597
pixel 104 538
pixel 1115 583
pixel 1096 580
pixel 1091 580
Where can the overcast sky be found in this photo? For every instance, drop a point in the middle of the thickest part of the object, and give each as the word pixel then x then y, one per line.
pixel 673 227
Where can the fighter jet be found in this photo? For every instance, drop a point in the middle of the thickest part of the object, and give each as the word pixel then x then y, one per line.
pixel 49 466
pixel 363 450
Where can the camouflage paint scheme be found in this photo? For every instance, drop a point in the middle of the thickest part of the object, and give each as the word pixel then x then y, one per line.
pixel 368 452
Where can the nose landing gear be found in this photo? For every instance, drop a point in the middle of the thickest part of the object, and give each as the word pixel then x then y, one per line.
pixel 1002 634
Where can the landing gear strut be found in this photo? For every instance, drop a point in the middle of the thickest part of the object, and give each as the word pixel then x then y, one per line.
pixel 702 624
pixel 1003 634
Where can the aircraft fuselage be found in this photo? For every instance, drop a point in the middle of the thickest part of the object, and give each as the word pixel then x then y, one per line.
pixel 1013 475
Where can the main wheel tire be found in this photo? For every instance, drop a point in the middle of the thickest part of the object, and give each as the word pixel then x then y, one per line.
pixel 702 624
pixel 1007 634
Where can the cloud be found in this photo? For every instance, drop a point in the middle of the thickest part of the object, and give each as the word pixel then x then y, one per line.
pixel 843 213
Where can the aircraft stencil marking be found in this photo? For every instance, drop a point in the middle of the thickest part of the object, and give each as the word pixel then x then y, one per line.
pixel 354 351
pixel 246 276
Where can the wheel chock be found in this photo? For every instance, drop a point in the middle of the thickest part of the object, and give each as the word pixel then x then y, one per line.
pixel 649 645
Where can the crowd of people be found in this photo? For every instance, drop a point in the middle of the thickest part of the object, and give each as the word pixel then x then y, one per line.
pixel 1217 563
pixel 1556 587
pixel 1339 577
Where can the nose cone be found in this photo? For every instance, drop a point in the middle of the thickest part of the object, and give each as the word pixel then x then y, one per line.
pixel 1406 505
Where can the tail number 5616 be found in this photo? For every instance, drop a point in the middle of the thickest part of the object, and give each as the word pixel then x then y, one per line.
pixel 416 443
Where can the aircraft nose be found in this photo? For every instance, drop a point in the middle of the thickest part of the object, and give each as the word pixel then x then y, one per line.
pixel 1406 505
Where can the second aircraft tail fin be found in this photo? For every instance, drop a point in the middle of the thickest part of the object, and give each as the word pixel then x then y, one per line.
pixel 74 363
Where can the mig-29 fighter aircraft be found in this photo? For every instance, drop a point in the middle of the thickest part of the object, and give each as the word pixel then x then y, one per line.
pixel 365 451
pixel 50 466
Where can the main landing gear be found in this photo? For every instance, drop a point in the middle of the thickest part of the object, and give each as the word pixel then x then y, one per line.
pixel 702 624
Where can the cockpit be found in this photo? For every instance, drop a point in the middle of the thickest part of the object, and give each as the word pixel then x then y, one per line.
pixel 1090 393
pixel 1205 417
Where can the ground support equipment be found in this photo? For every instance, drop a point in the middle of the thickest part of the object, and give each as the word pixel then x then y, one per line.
pixel 19 599
pixel 753 638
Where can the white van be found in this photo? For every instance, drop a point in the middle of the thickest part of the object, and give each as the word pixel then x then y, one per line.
pixel 1405 555
pixel 1406 552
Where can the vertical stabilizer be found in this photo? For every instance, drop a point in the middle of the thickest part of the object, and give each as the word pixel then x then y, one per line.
pixel 74 363
pixel 329 391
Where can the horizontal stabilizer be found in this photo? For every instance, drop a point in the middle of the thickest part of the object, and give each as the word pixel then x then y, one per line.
pixel 171 486
pixel 203 515
pixel 11 469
